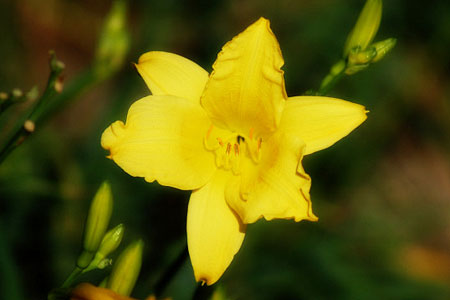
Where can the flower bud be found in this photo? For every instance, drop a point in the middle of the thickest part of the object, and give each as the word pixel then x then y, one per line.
pixel 126 269
pixel 365 28
pixel 361 57
pixel 383 48
pixel 110 242
pixel 113 42
pixel 96 224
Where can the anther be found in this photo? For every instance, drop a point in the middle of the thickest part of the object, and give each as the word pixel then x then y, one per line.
pixel 228 148
pixel 250 135
pixel 220 141
pixel 259 144
pixel 236 149
pixel 209 131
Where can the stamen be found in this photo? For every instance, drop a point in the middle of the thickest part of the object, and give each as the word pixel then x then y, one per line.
pixel 209 131
pixel 228 148
pixel 236 149
pixel 220 141
pixel 258 147
pixel 250 135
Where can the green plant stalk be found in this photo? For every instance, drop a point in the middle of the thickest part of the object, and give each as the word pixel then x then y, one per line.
pixel 19 133
pixel 77 87
pixel 336 73
pixel 72 277
pixel 49 103
pixel 9 274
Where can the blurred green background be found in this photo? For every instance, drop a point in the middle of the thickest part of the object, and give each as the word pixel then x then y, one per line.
pixel 382 194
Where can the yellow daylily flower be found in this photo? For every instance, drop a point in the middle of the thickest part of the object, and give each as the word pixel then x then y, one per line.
pixel 233 137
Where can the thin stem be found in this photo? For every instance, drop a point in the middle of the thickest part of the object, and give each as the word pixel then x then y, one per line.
pixel 336 73
pixel 9 274
pixel 20 131
pixel 171 271
pixel 72 277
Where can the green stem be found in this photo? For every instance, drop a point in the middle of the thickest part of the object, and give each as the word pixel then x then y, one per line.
pixel 49 103
pixel 72 277
pixel 171 271
pixel 77 87
pixel 9 274
pixel 19 133
pixel 336 73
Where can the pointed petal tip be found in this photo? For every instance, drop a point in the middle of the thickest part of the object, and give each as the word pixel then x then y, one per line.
pixel 262 20
pixel 204 281
pixel 262 23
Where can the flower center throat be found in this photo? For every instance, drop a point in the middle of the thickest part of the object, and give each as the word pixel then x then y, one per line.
pixel 231 148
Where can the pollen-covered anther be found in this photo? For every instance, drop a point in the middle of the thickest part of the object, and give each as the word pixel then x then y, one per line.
pixel 220 141
pixel 236 149
pixel 228 148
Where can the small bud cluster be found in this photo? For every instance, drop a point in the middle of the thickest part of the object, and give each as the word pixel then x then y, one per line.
pixel 358 51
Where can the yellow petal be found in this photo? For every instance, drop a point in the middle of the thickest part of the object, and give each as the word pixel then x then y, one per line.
pixel 163 140
pixel 320 121
pixel 87 291
pixel 246 89
pixel 275 188
pixel 170 74
pixel 214 231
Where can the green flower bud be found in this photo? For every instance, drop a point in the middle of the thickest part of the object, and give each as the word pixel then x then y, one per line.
pixel 383 48
pixel 96 224
pixel 126 269
pixel 361 57
pixel 365 28
pixel 110 242
pixel 350 70
pixel 219 294
pixel 114 40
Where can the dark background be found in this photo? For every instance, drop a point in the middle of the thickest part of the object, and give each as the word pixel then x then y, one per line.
pixel 382 194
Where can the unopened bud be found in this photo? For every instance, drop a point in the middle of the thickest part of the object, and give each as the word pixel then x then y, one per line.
pixel 219 294
pixel 110 242
pixel 29 126
pixel 33 93
pixel 365 28
pixel 59 84
pixel 361 57
pixel 383 48
pixel 114 40
pixel 3 96
pixel 56 65
pixel 126 269
pixel 17 93
pixel 96 224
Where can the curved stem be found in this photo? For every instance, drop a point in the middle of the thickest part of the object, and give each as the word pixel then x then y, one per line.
pixel 171 271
